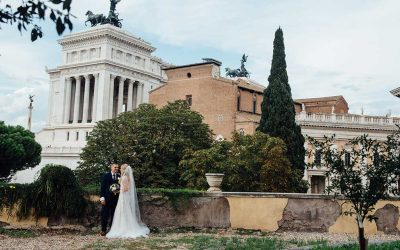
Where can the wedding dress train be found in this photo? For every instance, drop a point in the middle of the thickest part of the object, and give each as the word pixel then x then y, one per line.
pixel 127 222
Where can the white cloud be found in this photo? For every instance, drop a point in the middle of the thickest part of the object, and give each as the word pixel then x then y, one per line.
pixel 14 105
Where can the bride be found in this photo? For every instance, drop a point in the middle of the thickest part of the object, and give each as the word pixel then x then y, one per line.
pixel 127 222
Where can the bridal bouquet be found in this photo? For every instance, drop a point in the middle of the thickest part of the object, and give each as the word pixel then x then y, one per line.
pixel 115 188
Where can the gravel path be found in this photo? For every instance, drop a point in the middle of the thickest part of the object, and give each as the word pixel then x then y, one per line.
pixel 49 242
pixel 75 240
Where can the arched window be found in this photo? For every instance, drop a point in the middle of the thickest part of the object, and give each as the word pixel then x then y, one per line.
pixel 189 100
pixel 254 103
pixel 238 101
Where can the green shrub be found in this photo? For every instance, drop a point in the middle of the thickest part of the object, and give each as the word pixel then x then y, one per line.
pixel 55 193
pixel 195 164
pixel 12 194
pixel 251 163
pixel 58 193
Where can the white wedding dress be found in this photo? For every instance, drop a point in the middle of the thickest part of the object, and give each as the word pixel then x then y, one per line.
pixel 126 222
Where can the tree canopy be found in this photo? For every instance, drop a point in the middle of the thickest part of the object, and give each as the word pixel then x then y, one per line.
pixel 29 13
pixel 151 140
pixel 277 107
pixel 18 149
pixel 251 163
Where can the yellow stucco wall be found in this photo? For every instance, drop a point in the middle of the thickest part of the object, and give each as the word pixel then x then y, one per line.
pixel 264 213
pixel 256 212
pixel 347 224
pixel 27 222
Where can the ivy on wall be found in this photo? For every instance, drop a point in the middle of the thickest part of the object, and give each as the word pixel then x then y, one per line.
pixel 55 193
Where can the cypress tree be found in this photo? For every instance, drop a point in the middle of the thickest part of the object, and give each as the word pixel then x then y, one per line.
pixel 277 107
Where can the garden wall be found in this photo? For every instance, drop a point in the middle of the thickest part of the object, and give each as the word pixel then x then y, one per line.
pixel 264 211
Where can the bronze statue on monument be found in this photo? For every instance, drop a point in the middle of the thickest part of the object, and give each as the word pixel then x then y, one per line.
pixel 242 72
pixel 112 17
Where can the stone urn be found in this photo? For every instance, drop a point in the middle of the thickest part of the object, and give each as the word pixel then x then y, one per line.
pixel 214 181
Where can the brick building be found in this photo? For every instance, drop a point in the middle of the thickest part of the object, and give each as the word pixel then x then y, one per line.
pixel 330 104
pixel 226 104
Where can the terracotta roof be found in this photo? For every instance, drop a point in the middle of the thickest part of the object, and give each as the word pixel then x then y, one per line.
pixel 249 84
pixel 191 65
pixel 316 99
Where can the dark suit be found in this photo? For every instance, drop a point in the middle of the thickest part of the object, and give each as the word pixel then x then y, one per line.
pixel 111 199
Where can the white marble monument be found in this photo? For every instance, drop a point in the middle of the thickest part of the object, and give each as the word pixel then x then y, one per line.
pixel 104 71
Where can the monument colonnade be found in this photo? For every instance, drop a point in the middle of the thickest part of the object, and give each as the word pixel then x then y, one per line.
pixel 81 97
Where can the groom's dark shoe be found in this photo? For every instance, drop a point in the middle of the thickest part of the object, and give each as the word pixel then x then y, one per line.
pixel 102 233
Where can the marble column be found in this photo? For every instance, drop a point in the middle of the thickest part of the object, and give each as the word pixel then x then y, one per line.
pixel 135 88
pixel 130 95
pixel 120 95
pixel 86 100
pixel 139 94
pixel 95 96
pixel 67 107
pixel 111 103
pixel 77 98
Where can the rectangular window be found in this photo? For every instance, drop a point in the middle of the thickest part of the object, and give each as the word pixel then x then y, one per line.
pixel 347 158
pixel 189 100
pixel 317 184
pixel 238 103
pixel 317 158
pixel 376 159
pixel 87 134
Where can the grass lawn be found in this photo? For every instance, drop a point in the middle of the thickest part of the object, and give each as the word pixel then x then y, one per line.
pixel 199 242
pixel 394 245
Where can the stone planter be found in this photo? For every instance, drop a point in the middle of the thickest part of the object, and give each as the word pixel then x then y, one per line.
pixel 214 181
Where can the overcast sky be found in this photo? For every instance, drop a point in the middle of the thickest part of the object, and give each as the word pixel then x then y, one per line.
pixel 348 47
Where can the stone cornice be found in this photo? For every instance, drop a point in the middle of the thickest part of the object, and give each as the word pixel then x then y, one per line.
pixel 105 32
pixel 80 68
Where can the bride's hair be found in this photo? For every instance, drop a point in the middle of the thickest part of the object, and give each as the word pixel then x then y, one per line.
pixel 123 168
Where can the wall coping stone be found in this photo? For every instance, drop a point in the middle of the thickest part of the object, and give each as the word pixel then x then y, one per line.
pixel 284 195
pixel 263 195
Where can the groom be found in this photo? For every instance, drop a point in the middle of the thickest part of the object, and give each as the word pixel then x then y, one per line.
pixel 108 199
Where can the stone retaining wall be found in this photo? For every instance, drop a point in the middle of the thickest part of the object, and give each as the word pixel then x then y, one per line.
pixel 259 211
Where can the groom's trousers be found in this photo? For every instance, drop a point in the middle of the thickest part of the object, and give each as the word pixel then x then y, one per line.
pixel 107 212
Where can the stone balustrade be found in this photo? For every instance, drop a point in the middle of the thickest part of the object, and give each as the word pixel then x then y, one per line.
pixel 346 119
pixel 64 150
